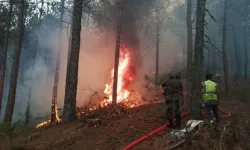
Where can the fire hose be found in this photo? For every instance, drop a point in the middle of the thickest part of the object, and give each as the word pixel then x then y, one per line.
pixel 225 115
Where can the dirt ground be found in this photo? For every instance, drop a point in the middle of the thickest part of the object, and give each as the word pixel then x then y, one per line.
pixel 116 134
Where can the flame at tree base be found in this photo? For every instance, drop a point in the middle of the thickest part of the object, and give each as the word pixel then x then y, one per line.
pixel 45 123
pixel 126 76
pixel 125 96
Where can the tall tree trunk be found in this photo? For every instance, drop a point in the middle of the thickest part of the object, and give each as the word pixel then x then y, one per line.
pixel 69 110
pixel 157 45
pixel 236 53
pixel 189 36
pixel 209 58
pixel 245 47
pixel 27 116
pixel 224 48
pixel 15 65
pixel 5 49
pixel 54 96
pixel 117 53
pixel 214 57
pixel 198 58
pixel 232 64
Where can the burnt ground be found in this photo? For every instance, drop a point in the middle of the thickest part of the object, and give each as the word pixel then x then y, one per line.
pixel 115 134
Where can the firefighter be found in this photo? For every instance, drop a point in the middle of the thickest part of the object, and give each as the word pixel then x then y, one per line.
pixel 172 90
pixel 210 96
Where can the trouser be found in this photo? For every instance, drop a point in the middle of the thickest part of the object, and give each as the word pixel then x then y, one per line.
pixel 214 107
pixel 173 107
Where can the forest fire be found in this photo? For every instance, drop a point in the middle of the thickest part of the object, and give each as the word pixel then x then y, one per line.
pixel 125 77
pixel 49 121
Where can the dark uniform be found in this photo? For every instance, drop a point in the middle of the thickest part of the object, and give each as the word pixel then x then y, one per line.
pixel 172 91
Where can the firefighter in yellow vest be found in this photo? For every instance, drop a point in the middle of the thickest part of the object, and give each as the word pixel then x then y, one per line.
pixel 210 96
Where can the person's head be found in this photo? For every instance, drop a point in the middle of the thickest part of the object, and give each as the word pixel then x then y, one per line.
pixel 209 76
pixel 171 77
pixel 178 76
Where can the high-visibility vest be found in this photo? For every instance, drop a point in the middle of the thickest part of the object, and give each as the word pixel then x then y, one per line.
pixel 209 93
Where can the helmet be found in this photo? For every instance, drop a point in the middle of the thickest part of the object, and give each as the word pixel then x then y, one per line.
pixel 177 75
pixel 171 76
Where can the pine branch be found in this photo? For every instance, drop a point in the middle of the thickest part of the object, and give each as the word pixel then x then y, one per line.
pixel 208 38
pixel 211 16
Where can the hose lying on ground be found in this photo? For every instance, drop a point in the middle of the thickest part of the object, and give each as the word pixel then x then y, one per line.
pixel 226 115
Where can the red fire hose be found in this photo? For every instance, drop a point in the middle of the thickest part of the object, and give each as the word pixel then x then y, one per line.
pixel 227 114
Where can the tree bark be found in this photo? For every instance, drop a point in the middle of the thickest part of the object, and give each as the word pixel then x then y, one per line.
pixel 189 36
pixel 54 95
pixel 209 58
pixel 224 48
pixel 5 49
pixel 236 54
pixel 117 53
pixel 15 65
pixel 198 58
pixel 214 58
pixel 157 45
pixel 69 110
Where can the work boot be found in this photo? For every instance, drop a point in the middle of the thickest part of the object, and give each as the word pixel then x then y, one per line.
pixel 178 121
pixel 171 125
pixel 178 124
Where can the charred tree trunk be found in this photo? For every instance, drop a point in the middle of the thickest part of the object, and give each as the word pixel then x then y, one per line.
pixel 15 65
pixel 117 53
pixel 157 45
pixel 224 48
pixel 198 58
pixel 189 36
pixel 54 96
pixel 27 116
pixel 5 49
pixel 246 49
pixel 69 110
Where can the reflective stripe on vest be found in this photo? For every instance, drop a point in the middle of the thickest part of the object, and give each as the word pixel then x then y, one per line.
pixel 209 91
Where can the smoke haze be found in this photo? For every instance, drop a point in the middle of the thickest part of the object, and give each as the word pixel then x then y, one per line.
pixel 95 61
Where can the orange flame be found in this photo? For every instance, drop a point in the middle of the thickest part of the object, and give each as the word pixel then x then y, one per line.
pixel 49 121
pixel 125 77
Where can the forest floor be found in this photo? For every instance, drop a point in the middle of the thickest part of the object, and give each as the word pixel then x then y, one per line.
pixel 114 134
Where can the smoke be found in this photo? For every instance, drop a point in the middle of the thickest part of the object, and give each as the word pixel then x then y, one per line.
pixel 133 12
pixel 95 61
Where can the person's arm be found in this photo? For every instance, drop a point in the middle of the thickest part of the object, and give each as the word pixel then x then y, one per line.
pixel 181 89
pixel 218 93
pixel 202 93
pixel 181 93
pixel 162 88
